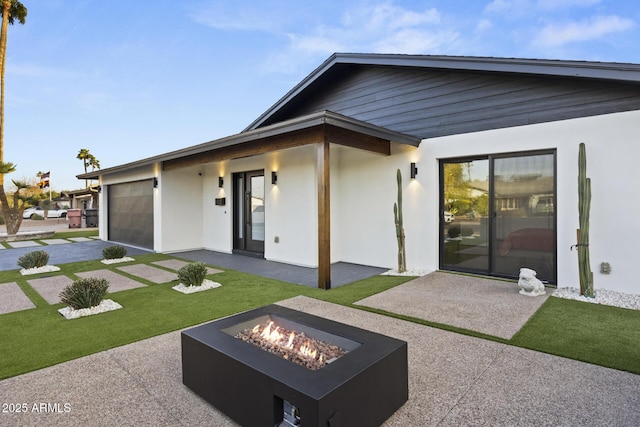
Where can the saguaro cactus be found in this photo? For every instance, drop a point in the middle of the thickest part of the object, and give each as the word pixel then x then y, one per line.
pixel 584 205
pixel 397 214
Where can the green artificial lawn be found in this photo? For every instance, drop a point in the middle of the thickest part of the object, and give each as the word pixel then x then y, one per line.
pixel 40 337
pixel 599 334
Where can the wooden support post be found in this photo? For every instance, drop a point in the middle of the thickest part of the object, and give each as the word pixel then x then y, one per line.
pixel 324 216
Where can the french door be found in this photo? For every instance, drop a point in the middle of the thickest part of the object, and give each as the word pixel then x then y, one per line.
pixel 498 214
pixel 248 212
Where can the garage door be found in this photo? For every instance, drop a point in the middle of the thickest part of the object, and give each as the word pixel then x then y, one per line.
pixel 130 207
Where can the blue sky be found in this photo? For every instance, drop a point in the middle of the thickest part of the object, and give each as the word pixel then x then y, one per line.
pixel 130 80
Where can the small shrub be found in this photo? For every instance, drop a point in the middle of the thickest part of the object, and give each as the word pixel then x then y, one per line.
pixel 467 231
pixel 37 217
pixel 192 274
pixel 114 252
pixel 33 259
pixel 454 231
pixel 84 293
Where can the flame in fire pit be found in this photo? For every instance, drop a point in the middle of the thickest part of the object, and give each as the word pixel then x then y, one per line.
pixel 291 345
pixel 273 335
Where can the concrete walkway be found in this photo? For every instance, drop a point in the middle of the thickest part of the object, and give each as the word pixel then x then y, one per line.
pixel 489 306
pixel 454 380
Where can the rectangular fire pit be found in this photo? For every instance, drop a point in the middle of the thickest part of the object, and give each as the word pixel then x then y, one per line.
pixel 363 386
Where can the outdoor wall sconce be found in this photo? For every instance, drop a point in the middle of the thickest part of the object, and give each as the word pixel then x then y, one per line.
pixel 155 182
pixel 274 177
pixel 99 188
pixel 220 181
pixel 414 170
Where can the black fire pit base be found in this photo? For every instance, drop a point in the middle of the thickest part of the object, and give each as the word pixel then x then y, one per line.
pixel 256 388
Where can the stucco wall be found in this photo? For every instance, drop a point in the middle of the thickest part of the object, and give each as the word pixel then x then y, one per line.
pixel 366 191
pixel 290 205
pixel 181 210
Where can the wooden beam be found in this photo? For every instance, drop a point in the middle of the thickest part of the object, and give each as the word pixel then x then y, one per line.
pixel 249 148
pixel 349 138
pixel 324 215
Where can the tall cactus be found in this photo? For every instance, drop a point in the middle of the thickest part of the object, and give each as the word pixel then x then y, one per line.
pixel 584 205
pixel 397 214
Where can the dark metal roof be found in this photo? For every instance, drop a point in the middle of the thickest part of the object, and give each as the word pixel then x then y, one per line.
pixel 621 72
pixel 298 123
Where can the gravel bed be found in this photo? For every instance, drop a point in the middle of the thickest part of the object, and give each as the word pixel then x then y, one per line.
pixel 206 285
pixel 117 260
pixel 603 296
pixel 409 273
pixel 37 270
pixel 104 306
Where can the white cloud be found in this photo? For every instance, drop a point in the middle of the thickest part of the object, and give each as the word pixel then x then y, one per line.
pixel 513 7
pixel 559 34
pixel 558 4
pixel 484 25
pixel 237 16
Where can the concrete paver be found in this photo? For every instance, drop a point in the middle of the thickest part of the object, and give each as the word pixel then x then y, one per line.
pixel 56 241
pixel 50 287
pixel 152 274
pixel 13 299
pixel 176 264
pixel 489 306
pixel 23 244
pixel 117 282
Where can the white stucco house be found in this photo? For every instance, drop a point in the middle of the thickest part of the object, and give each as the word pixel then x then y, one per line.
pixel 492 145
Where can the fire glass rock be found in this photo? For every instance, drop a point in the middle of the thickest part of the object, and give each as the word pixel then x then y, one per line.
pixel 291 345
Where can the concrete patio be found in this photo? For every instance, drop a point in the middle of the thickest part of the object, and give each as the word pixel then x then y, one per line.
pixel 453 380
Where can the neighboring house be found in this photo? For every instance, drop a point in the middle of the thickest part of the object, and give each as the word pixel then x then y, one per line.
pixel 312 181
pixel 86 198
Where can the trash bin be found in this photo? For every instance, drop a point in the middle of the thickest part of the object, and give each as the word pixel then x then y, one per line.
pixel 91 217
pixel 74 216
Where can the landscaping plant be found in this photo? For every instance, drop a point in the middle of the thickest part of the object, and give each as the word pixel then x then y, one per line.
pixel 192 274
pixel 584 205
pixel 85 293
pixel 114 252
pixel 397 214
pixel 33 259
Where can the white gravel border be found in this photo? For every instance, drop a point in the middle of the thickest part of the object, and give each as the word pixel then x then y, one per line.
pixel 117 260
pixel 206 285
pixel 409 273
pixel 603 296
pixel 104 306
pixel 37 270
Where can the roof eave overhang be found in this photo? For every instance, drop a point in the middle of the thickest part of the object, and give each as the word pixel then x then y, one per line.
pixel 233 145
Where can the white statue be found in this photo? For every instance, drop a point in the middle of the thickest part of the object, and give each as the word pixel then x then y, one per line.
pixel 529 284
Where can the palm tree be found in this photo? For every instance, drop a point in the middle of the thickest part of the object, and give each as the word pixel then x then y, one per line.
pixel 11 10
pixel 88 159
pixel 84 155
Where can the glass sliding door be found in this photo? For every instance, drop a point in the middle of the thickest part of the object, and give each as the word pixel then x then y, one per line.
pixel 498 215
pixel 464 215
pixel 524 215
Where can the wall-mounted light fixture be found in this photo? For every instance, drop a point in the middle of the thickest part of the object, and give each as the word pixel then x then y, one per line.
pixel 220 181
pixel 414 170
pixel 155 182
pixel 99 188
pixel 274 177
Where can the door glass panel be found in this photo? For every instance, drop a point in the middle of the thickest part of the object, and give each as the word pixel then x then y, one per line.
pixel 465 215
pixel 257 208
pixel 524 234
pixel 240 207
